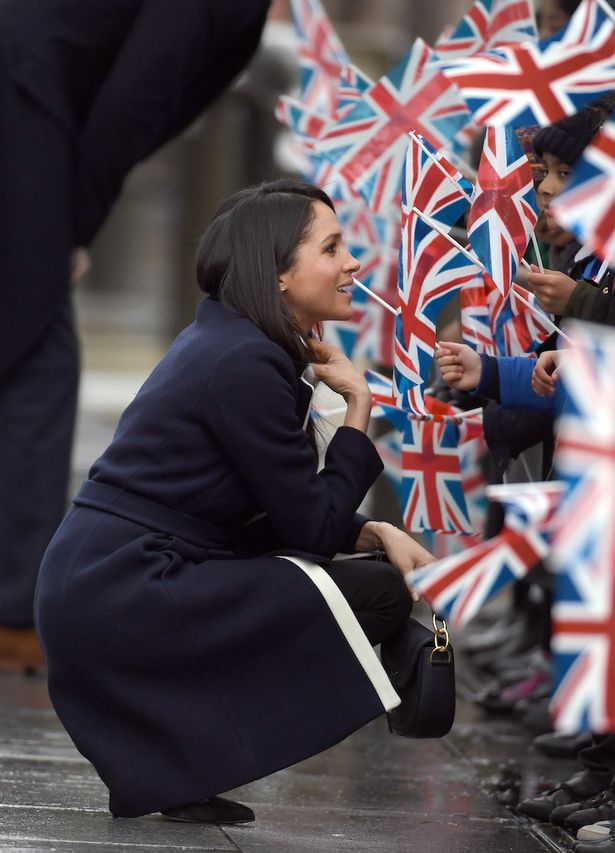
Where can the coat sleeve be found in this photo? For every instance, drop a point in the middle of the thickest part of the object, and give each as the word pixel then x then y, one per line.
pixel 581 301
pixel 516 390
pixel 250 408
pixel 176 59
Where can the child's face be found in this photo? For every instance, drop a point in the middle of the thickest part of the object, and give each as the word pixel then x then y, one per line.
pixel 552 18
pixel 556 174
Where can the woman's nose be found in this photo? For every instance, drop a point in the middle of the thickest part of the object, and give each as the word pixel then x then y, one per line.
pixel 353 265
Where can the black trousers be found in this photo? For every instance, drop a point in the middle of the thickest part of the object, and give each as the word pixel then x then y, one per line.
pixel 599 758
pixel 377 594
pixel 38 402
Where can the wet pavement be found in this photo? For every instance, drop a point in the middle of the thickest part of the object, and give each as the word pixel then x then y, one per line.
pixel 372 792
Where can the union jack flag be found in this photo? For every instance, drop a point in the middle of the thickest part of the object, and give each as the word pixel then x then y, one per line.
pixel 351 86
pixel 526 84
pixel 435 492
pixel 321 56
pixel 433 185
pixel 472 450
pixel 459 586
pixel 306 126
pixel 432 493
pixel 305 123
pixel 368 144
pixel 345 335
pixel 516 328
pixel 583 556
pixel 587 206
pixel 472 454
pixel 374 241
pixel 475 321
pixel 377 333
pixel 381 389
pixel 488 24
pixel 389 447
pixel 430 271
pixel 504 210
pixel 389 450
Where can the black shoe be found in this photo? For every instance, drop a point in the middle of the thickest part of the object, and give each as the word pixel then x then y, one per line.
pixel 602 810
pixel 559 816
pixel 535 716
pixel 213 810
pixel 578 788
pixel 557 745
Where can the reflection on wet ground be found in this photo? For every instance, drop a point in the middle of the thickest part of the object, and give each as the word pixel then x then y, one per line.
pixel 373 792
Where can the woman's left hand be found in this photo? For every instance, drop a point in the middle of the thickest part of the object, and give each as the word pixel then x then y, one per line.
pixel 402 550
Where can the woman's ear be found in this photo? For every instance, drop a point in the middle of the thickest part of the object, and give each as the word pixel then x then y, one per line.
pixel 282 283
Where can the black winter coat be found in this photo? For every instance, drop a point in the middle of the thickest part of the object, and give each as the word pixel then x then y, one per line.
pixel 183 659
pixel 89 88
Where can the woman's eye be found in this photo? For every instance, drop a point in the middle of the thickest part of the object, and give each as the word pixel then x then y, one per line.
pixel 331 249
pixel 564 173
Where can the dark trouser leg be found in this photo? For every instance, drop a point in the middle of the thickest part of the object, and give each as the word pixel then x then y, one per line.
pixel 37 416
pixel 599 758
pixel 377 594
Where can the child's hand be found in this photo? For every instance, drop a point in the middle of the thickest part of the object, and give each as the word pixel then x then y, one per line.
pixel 544 375
pixel 552 289
pixel 459 365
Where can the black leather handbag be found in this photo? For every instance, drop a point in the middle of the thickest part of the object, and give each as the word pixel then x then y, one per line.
pixel 421 666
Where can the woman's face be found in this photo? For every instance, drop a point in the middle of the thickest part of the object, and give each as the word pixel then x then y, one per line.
pixel 556 174
pixel 318 287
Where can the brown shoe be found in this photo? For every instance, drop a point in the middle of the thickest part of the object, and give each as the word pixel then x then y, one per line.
pixel 20 650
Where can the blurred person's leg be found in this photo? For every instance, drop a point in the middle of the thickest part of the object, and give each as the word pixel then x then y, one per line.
pixel 37 417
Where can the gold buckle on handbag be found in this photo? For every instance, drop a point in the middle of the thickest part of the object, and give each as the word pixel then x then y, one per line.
pixel 441 639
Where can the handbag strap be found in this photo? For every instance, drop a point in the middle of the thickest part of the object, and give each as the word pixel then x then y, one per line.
pixel 441 640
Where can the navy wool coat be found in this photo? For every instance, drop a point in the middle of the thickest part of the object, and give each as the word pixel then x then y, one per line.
pixel 185 656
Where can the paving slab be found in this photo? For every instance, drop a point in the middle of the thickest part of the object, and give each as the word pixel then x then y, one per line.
pixel 97 830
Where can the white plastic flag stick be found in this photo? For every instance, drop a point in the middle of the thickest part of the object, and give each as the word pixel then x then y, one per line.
pixel 479 264
pixel 537 252
pixel 436 227
pixel 603 268
pixel 374 295
pixel 543 317
pixel 435 160
pixel 341 410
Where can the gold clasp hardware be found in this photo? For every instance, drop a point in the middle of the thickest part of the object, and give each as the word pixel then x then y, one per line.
pixel 441 639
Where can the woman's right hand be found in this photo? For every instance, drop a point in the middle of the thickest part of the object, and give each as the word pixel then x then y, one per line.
pixel 337 371
pixel 333 368
pixel 459 365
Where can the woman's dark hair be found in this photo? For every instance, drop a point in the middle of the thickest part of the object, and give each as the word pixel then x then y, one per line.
pixel 252 240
